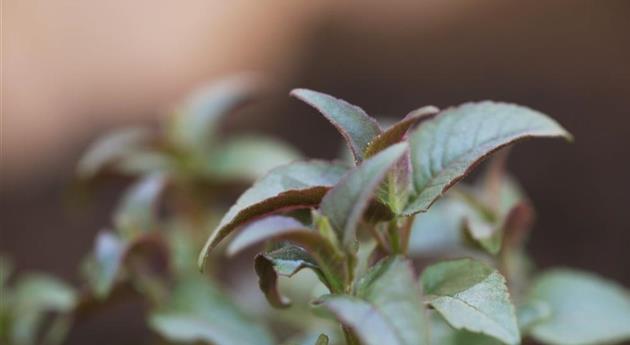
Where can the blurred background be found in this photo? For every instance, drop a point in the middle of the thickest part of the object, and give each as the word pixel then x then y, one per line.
pixel 72 70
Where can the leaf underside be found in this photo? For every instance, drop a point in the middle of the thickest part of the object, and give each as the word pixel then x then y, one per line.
pixel 296 185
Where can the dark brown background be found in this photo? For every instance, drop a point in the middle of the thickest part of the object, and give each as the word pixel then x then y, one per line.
pixel 568 59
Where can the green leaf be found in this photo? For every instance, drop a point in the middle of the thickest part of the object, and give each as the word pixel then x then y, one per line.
pixel 585 309
pixel 300 184
pixel 328 258
pixel 194 125
pixel 531 313
pixel 446 148
pixel 34 296
pixel 362 318
pixel 388 308
pixel 110 148
pixel 102 267
pixel 345 203
pixel 397 131
pixel 249 157
pixel 437 233
pixel 136 212
pixel 486 234
pixel 391 287
pixel 472 296
pixel 285 261
pixel 443 334
pixel 357 127
pixel 198 311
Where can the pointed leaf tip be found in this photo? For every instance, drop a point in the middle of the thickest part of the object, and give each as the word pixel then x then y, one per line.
pixel 357 127
pixel 448 146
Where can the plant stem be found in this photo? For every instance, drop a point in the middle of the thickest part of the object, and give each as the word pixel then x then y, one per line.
pixel 405 234
pixel 394 236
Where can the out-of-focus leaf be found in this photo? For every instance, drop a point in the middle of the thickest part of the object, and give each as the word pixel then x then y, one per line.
pixel 445 148
pixel 300 184
pixel 34 295
pixel 485 233
pixel 193 126
pixel 438 231
pixel 585 309
pixel 357 127
pixel 110 148
pixel 329 259
pixel 473 296
pixel 443 334
pixel 388 308
pixel 285 261
pixel 345 203
pixel 532 313
pixel 198 311
pixel 146 161
pixel 136 212
pixel 248 158
pixel 397 131
pixel 102 267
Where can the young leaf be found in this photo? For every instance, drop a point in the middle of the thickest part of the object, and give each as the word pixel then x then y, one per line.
pixel 198 311
pixel 446 148
pixel 328 258
pixel 194 125
pixel 110 148
pixel 397 131
pixel 136 212
pixel 585 309
pixel 357 127
pixel 345 203
pixel 300 184
pixel 103 266
pixel 285 261
pixel 472 296
pixel 248 158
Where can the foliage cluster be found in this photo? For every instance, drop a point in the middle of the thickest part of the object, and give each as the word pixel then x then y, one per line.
pixel 387 248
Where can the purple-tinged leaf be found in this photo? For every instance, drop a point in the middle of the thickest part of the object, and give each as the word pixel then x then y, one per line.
pixel 397 131
pixel 285 261
pixel 445 148
pixel 345 203
pixel 357 127
pixel 296 185
pixel 328 258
